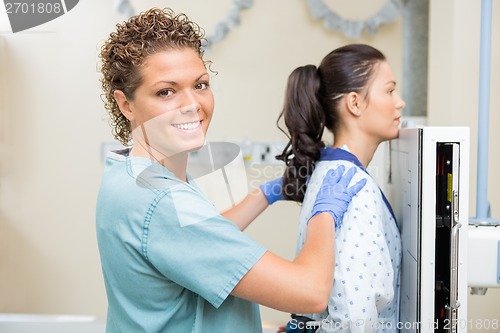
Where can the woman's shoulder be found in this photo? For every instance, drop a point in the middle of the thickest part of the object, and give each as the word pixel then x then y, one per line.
pixel 322 167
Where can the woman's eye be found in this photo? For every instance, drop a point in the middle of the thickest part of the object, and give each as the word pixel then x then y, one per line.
pixel 165 92
pixel 202 85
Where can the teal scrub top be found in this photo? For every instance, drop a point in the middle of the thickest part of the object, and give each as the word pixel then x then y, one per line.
pixel 169 259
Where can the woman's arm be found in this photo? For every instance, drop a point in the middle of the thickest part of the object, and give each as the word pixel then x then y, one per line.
pixel 248 209
pixel 254 203
pixel 299 286
pixel 304 284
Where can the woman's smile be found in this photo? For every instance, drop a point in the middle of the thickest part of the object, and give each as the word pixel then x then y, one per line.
pixel 191 126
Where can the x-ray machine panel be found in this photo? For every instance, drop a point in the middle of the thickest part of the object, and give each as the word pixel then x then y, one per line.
pixel 430 187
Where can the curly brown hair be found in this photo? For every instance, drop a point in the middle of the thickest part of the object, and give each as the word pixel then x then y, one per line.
pixel 126 49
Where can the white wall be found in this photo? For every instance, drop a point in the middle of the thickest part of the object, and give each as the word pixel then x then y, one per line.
pixel 54 123
pixel 53 126
pixel 453 101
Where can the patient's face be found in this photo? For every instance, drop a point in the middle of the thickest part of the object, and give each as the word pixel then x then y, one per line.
pixel 382 112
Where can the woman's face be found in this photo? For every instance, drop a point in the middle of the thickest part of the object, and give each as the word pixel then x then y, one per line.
pixel 173 106
pixel 382 110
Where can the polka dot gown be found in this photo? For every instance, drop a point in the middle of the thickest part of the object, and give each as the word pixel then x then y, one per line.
pixel 365 293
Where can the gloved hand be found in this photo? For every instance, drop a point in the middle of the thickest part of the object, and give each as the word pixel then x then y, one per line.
pixel 334 196
pixel 272 190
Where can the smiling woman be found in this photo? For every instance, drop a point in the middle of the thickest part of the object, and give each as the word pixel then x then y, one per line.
pixel 171 261
pixel 171 109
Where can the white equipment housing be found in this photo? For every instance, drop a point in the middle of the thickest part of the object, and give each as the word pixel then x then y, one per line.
pixel 430 180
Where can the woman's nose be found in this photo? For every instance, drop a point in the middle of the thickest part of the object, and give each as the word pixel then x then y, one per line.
pixel 400 103
pixel 190 108
pixel 190 103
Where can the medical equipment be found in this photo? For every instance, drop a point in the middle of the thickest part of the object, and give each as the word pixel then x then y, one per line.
pixel 430 173
pixel 445 252
pixel 484 271
pixel 484 231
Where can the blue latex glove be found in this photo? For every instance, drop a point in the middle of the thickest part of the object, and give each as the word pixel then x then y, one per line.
pixel 334 196
pixel 272 190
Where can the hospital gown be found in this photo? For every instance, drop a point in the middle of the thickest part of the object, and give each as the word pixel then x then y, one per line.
pixel 365 294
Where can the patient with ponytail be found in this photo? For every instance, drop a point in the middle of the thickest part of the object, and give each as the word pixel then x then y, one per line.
pixel 352 94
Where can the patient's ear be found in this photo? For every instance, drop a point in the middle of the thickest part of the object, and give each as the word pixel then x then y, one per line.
pixel 123 104
pixel 353 102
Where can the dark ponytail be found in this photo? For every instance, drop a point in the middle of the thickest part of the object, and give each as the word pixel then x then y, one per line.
pixel 311 104
pixel 305 120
